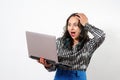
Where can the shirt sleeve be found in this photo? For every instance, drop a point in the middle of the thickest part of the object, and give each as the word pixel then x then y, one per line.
pixel 52 68
pixel 96 41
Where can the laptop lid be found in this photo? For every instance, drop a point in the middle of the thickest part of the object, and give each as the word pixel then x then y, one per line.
pixel 41 45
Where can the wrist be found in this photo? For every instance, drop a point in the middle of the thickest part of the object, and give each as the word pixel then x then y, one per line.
pixel 86 24
pixel 48 65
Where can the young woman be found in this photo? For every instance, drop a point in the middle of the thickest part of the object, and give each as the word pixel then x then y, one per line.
pixel 75 48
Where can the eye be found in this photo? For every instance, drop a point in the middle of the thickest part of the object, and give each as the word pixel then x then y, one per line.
pixel 75 24
pixel 69 24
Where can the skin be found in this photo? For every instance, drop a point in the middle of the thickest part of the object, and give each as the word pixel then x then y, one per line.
pixel 73 30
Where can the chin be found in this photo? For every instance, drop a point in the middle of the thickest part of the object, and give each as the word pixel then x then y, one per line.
pixel 74 38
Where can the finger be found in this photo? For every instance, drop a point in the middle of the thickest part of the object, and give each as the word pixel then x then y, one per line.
pixel 78 17
pixel 81 15
pixel 41 60
pixel 46 64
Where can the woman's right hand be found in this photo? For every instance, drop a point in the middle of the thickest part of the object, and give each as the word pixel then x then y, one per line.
pixel 44 62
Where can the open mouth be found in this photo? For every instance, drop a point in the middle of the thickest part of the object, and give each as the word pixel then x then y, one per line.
pixel 72 34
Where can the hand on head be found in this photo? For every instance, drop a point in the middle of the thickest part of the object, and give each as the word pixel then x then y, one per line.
pixel 83 19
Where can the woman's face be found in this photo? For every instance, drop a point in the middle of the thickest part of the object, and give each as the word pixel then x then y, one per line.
pixel 73 28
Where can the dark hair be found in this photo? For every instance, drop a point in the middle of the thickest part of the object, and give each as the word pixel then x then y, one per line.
pixel 67 39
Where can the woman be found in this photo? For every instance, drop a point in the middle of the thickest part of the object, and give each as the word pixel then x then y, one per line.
pixel 75 48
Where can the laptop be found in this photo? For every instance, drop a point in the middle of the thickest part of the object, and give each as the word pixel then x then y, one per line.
pixel 43 45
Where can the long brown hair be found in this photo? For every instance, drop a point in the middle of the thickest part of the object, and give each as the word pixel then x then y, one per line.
pixel 67 39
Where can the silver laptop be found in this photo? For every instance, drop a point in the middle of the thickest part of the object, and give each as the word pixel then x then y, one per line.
pixel 43 45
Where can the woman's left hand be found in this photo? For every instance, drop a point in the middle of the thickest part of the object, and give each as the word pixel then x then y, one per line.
pixel 83 19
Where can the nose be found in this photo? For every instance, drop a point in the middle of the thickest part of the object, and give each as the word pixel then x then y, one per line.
pixel 72 27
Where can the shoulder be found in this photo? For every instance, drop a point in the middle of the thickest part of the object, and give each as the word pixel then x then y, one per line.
pixel 59 39
pixel 58 42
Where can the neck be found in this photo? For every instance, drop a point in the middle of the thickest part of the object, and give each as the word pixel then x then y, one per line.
pixel 75 42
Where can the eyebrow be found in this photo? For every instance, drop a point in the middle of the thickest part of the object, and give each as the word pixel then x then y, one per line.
pixel 73 23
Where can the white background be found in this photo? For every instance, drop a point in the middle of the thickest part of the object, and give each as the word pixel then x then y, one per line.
pixel 49 16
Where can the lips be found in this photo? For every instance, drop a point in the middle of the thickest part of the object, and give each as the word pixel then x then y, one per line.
pixel 72 34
